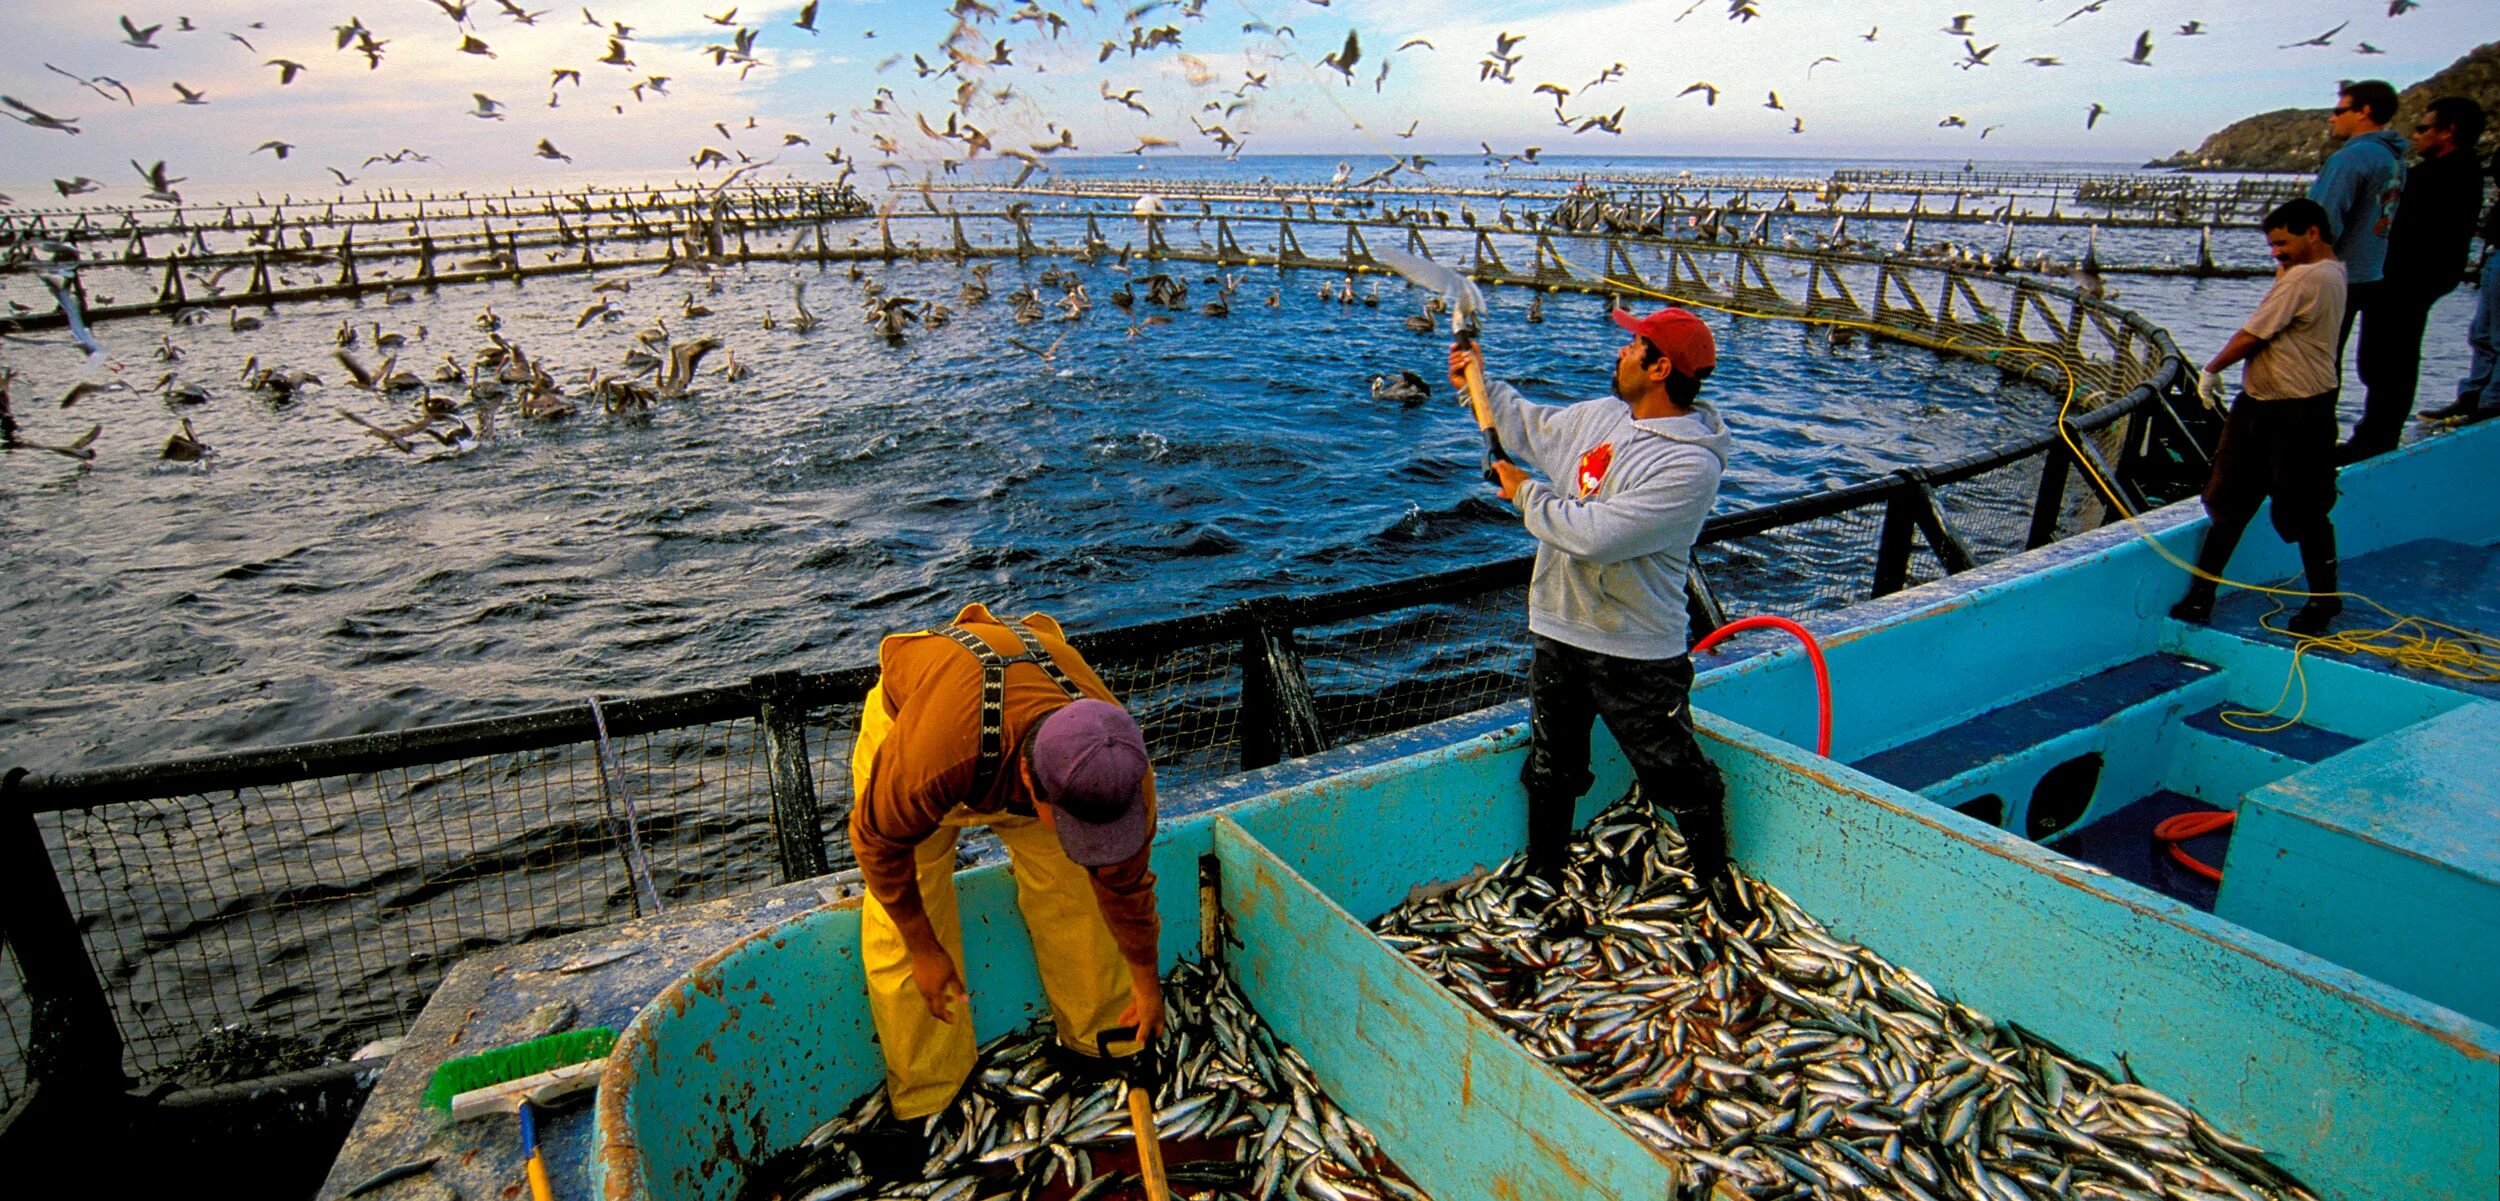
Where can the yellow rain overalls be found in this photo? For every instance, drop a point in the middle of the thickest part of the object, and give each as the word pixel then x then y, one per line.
pixel 1082 972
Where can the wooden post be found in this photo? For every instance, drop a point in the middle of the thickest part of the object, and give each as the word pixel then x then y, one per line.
pixel 1279 713
pixel 2050 503
pixel 74 1046
pixel 798 828
pixel 1892 547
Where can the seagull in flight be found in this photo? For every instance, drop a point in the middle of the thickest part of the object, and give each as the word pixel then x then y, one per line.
pixel 2143 56
pixel 2093 7
pixel 141 38
pixel 2324 39
pixel 1709 91
pixel 38 118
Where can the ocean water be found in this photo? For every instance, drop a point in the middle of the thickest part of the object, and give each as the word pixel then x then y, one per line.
pixel 311 581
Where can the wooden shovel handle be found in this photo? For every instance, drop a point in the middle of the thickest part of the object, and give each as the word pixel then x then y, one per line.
pixel 1483 410
pixel 1141 1120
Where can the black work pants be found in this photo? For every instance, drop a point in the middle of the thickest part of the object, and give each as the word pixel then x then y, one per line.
pixel 2390 363
pixel 1646 705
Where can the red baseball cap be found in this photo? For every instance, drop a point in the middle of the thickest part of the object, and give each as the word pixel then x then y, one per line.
pixel 1681 336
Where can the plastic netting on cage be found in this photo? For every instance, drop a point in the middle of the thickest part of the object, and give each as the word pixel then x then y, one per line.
pixel 17 1027
pixel 1817 565
pixel 272 927
pixel 1991 512
pixel 1383 672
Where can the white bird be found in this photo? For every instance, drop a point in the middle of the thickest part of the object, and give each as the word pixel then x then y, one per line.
pixel 140 37
pixel 488 108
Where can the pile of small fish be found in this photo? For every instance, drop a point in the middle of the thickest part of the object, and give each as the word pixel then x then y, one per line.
pixel 1774 1060
pixel 1026 1123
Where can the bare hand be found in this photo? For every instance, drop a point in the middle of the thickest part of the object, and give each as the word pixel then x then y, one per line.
pixel 938 982
pixel 1145 1007
pixel 1511 477
pixel 1460 358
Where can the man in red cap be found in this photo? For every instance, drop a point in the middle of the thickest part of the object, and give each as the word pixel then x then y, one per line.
pixel 1628 479
pixel 998 723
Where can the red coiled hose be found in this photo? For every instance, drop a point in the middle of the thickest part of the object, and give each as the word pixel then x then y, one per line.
pixel 2178 828
pixel 1814 654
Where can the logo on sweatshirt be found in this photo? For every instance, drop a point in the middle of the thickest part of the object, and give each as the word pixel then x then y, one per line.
pixel 1593 467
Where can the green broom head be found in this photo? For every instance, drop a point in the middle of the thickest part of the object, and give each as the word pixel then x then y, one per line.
pixel 512 1063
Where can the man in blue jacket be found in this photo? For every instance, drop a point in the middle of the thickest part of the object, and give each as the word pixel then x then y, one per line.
pixel 2360 187
pixel 1628 479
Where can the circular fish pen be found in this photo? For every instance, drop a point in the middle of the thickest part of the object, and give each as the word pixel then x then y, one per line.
pixel 1244 632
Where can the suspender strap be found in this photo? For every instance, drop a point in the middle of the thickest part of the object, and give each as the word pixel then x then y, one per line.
pixel 994 693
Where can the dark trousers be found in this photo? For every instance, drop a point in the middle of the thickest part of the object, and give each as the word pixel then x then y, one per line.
pixel 2391 366
pixel 1645 704
pixel 2283 450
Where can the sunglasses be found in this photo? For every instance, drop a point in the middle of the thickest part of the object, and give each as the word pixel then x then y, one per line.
pixel 2341 109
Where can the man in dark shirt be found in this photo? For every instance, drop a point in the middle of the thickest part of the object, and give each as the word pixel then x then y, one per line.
pixel 2478 394
pixel 2426 253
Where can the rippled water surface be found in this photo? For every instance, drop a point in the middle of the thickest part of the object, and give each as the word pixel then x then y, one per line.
pixel 314 582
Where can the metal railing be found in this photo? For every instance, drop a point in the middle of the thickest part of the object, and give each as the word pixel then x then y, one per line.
pixel 235 915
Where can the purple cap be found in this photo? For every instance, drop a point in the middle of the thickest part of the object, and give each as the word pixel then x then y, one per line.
pixel 1090 763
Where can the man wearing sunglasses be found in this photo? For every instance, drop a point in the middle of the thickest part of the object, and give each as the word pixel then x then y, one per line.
pixel 2359 188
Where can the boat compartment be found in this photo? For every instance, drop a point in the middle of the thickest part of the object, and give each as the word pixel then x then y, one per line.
pixel 2331 1072
pixel 2383 859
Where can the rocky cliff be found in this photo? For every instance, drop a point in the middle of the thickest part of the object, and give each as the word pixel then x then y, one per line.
pixel 2294 139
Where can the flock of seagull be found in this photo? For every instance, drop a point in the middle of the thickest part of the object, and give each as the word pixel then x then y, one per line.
pixel 976 55
pixel 976 58
pixel 458 404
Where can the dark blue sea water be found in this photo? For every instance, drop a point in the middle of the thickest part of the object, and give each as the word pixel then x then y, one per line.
pixel 313 582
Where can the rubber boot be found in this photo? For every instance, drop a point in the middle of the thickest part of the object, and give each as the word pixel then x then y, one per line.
pixel 892 1149
pixel 2220 540
pixel 1549 836
pixel 2317 565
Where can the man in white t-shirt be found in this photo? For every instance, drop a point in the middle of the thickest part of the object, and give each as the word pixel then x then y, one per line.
pixel 2279 440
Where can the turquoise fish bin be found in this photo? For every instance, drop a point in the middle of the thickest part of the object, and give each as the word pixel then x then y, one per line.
pixel 2362 1090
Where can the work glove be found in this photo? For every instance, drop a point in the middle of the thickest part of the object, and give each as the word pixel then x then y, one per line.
pixel 2209 387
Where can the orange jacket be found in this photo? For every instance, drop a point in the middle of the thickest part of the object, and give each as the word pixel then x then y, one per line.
pixel 932 688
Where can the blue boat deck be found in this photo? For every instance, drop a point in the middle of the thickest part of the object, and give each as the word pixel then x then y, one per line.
pixel 2435 579
pixel 2073 730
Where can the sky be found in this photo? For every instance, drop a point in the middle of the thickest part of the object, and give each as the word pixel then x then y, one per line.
pixel 798 97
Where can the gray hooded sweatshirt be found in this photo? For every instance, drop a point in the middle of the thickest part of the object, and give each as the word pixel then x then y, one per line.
pixel 1615 529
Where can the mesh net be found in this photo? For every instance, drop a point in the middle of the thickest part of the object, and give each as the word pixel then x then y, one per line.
pixel 1813 566
pixel 17 1025
pixel 1992 512
pixel 273 927
pixel 1393 671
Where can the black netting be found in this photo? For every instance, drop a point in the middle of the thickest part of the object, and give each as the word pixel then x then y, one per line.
pixel 1392 671
pixel 1188 702
pixel 267 928
pixel 17 1026
pixel 1814 566
pixel 1991 513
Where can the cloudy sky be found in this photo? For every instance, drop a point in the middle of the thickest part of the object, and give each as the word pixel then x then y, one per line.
pixel 1895 73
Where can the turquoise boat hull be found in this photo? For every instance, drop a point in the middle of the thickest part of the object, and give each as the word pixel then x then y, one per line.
pixel 2363 1086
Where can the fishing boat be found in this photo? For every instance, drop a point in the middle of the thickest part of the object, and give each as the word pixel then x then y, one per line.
pixel 219 937
pixel 1994 741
